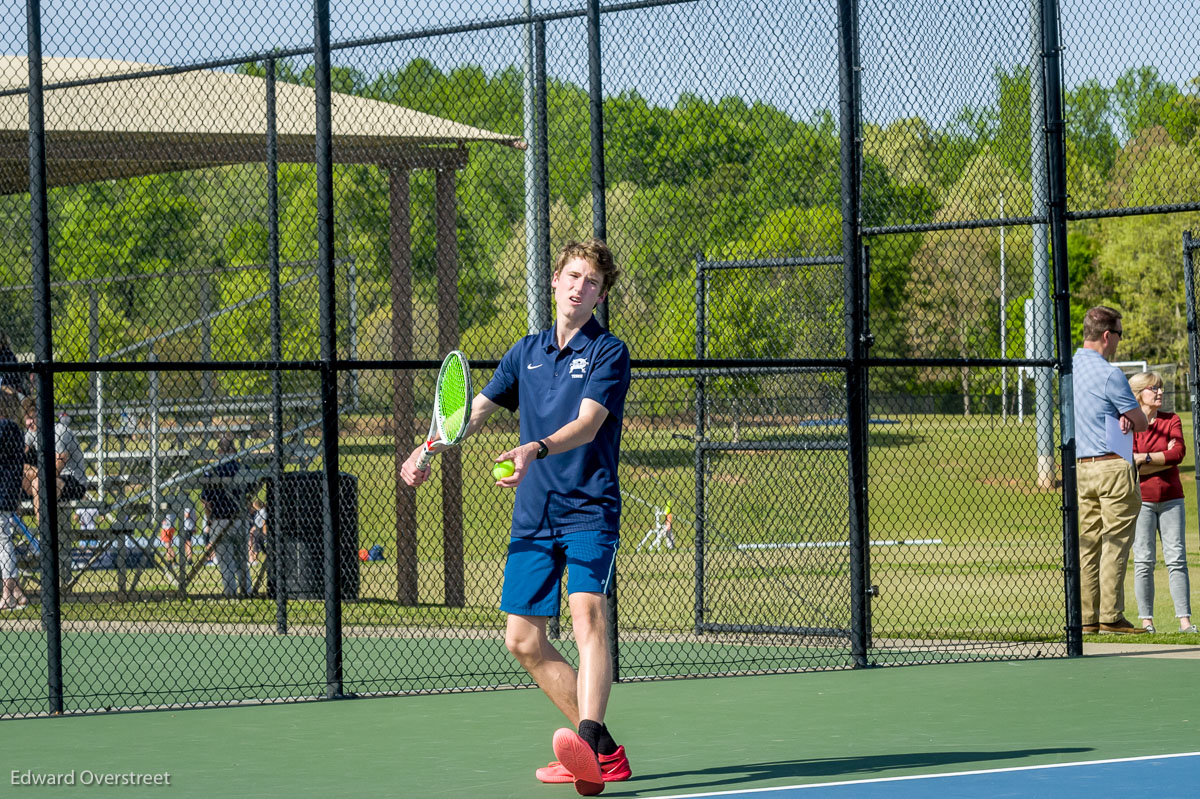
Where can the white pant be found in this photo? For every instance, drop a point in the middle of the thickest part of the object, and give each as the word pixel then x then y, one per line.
pixel 8 551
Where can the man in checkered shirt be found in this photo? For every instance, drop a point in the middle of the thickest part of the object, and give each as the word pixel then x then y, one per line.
pixel 1109 496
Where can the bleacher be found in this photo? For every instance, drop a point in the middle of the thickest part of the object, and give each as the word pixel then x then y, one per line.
pixel 149 463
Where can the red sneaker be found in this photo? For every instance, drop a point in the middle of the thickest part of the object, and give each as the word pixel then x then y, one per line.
pixel 579 760
pixel 613 768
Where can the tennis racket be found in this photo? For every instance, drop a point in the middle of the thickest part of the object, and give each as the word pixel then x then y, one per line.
pixel 451 406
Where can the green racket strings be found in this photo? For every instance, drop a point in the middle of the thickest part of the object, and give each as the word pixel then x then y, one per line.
pixel 453 387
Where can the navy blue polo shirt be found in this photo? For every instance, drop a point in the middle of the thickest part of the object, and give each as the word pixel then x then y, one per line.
pixel 575 490
pixel 12 465
pixel 224 500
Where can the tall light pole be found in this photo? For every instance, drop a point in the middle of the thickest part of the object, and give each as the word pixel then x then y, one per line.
pixel 536 282
pixel 1039 323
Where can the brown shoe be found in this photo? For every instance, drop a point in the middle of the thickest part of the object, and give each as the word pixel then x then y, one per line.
pixel 1121 626
pixel 1091 628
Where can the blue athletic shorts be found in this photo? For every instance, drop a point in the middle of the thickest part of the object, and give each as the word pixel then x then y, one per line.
pixel 533 572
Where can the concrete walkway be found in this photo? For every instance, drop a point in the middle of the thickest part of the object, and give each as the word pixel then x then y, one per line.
pixel 1128 648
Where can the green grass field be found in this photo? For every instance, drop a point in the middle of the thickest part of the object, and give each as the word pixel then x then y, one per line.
pixel 988 567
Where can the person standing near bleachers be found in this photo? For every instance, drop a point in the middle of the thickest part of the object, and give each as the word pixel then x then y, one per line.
pixel 258 530
pixel 223 510
pixel 12 463
pixel 69 465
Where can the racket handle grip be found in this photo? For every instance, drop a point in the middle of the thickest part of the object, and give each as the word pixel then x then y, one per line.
pixel 426 455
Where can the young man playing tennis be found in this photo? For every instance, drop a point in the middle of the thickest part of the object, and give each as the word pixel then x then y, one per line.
pixel 570 384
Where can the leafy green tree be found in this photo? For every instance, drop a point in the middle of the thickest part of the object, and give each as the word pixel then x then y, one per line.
pixel 953 293
pixel 1087 284
pixel 1089 130
pixel 799 170
pixel 729 179
pixel 1011 142
pixel 913 153
pixel 698 137
pixel 1153 169
pixel 1143 100
pixel 1140 258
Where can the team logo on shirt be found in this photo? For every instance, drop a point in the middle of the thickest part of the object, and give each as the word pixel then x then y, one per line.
pixel 578 367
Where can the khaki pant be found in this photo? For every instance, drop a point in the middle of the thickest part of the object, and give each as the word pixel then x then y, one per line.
pixel 1109 503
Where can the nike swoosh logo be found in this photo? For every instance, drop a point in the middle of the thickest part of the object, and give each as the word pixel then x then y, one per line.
pixel 531 366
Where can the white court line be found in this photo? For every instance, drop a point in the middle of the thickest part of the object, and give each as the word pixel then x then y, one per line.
pixel 931 776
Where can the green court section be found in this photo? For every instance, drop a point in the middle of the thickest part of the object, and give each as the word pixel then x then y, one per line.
pixel 114 670
pixel 683 736
pixel 164 669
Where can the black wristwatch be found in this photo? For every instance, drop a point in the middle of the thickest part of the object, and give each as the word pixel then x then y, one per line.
pixel 543 450
pixel 1147 458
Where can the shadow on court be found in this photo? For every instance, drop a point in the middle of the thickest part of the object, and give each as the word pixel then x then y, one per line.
pixel 834 767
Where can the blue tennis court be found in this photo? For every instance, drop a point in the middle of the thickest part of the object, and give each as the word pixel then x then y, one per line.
pixel 1164 776
pixel 1093 727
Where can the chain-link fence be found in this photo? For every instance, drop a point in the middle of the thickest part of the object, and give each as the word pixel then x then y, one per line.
pixel 236 242
pixel 1192 378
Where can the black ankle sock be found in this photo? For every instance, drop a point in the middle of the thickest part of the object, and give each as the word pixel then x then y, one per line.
pixel 596 735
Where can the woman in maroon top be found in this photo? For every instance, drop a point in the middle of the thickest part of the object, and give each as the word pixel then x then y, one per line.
pixel 1157 453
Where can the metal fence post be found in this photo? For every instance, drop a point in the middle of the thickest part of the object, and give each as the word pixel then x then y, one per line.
pixel 1056 184
pixel 698 453
pixel 541 149
pixel 275 556
pixel 849 106
pixel 44 353
pixel 329 398
pixel 596 127
pixel 535 278
pixel 600 231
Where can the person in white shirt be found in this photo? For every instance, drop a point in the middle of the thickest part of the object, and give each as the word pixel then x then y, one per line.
pixel 70 468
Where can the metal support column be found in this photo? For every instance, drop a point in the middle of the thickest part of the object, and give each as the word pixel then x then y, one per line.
pixel 275 558
pixel 328 333
pixel 44 353
pixel 596 124
pixel 400 285
pixel 600 231
pixel 453 566
pixel 699 456
pixel 1056 183
pixel 541 146
pixel 849 106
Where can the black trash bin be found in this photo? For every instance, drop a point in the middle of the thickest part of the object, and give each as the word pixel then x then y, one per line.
pixel 300 536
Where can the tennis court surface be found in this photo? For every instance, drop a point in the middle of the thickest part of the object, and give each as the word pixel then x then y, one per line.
pixel 1106 723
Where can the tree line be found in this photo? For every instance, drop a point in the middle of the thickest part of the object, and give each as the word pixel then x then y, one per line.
pixel 728 179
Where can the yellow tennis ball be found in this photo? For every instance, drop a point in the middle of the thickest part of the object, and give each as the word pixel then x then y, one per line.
pixel 503 469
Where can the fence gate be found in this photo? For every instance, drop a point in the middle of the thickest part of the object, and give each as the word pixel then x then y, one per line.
pixel 770 453
pixel 1190 247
